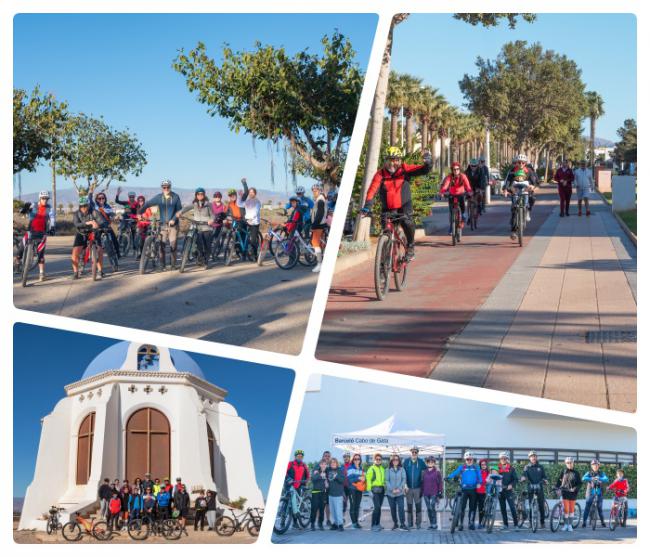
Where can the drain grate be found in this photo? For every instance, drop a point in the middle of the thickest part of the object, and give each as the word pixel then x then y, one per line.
pixel 611 336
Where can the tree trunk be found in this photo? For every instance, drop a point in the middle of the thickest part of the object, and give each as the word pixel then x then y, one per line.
pixel 394 122
pixel 424 130
pixel 53 165
pixel 409 130
pixel 592 144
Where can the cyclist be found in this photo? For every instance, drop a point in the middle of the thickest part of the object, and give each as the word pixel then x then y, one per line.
pixel 307 206
pixel 509 479
pixel 168 203
pixel 41 223
pixel 535 474
pixel 131 206
pixel 456 184
pixel 620 487
pixel 414 468
pixel 569 483
pixel 84 221
pixel 135 504
pixel 470 479
pixel 594 478
pixel 481 491
pixel 521 171
pixel 104 215
pixel 295 218
pixel 252 206
pixel 202 213
pixel 163 500
pixel 182 505
pixel 319 223
pixel 477 179
pixel 392 181
pixel 297 470
pixel 564 177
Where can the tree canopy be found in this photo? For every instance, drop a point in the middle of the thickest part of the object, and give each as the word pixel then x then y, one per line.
pixel 93 154
pixel 625 150
pixel 306 99
pixel 492 20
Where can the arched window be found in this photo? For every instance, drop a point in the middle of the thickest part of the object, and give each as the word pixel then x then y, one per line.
pixel 212 445
pixel 147 444
pixel 85 448
pixel 148 358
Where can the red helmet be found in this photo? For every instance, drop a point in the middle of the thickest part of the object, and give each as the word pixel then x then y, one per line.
pixel 455 164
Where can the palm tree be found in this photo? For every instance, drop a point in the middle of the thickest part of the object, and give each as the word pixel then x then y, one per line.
pixel 394 103
pixel 411 86
pixel 429 108
pixel 595 109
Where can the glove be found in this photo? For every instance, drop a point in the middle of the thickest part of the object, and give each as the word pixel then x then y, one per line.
pixel 365 210
pixel 52 232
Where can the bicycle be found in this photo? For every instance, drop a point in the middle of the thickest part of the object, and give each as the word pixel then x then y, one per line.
pixel 79 526
pixel 593 510
pixel 190 250
pixel 489 508
pixel 250 520
pixel 53 520
pixel 455 511
pixel 557 514
pixel 106 242
pixel 520 204
pixel 294 506
pixel 140 529
pixel 291 248
pixel 128 238
pixel 34 245
pixel 473 210
pixel 391 255
pixel 457 221
pixel 150 256
pixel 270 241
pixel 533 504
pixel 618 513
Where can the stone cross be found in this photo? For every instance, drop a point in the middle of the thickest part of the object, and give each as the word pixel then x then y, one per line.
pixel 148 389
pixel 132 389
pixel 162 390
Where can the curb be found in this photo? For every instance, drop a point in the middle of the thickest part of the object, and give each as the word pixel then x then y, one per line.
pixel 631 235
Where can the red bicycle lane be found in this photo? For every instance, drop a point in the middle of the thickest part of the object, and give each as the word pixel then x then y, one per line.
pixel 408 331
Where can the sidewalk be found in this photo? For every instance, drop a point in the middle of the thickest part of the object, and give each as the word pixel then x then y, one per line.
pixel 566 311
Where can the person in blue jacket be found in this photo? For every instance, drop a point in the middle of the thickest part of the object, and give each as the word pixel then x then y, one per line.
pixel 168 204
pixel 414 466
pixel 164 502
pixel 594 478
pixel 307 205
pixel 469 475
pixel 135 504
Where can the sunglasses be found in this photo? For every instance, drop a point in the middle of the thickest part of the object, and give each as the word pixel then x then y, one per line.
pixel 166 187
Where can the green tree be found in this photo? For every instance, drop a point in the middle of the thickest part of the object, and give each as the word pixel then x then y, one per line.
pixel 625 150
pixel 492 20
pixel 309 100
pixel 93 154
pixel 595 109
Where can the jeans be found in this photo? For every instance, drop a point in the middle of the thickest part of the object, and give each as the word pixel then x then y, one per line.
pixel 565 198
pixel 593 498
pixel 397 509
pixel 430 502
pixel 317 507
pixel 355 504
pixel 414 498
pixel 377 500
pixel 507 495
pixel 103 508
pixel 212 518
pixel 336 508
pixel 199 519
pixel 480 503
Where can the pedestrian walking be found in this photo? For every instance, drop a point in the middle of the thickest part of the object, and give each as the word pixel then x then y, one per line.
pixel 584 182
pixel 564 177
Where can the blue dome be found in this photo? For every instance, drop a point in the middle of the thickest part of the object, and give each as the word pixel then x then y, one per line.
pixel 117 356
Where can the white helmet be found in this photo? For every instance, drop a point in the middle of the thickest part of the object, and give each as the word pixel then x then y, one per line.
pixel 568 459
pixel 300 189
pixel 504 455
pixel 44 194
pixel 166 182
pixel 521 158
pixel 468 454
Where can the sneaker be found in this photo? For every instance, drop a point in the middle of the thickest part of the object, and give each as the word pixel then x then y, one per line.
pixel 404 528
pixel 341 528
pixel 449 231
pixel 410 253
pixel 357 526
pixel 602 523
pixel 313 528
pixel 561 214
pixel 321 527
pixel 480 527
pixel 472 527
pixel 588 212
pixel 513 235
pixel 316 269
pixel 41 277
pixel 76 276
pixel 584 524
pixel 460 528
pixel 527 217
pixel 430 528
pixel 328 523
pixel 569 528
pixel 504 528
pixel 580 213
pixel 334 527
pixel 395 527
pixel 418 526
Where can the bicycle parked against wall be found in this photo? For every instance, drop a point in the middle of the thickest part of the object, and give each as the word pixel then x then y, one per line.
pixel 54 520
pixel 79 526
pixel 250 520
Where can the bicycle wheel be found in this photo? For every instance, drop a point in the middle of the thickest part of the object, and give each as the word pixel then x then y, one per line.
pixel 124 241
pixel 520 226
pixel 187 251
pixel 453 229
pixel 138 529
pixel 459 228
pixel 556 517
pixel 225 526
pixel 251 250
pixel 623 515
pixel 50 527
pixel 489 515
pixel 576 515
pixel 228 249
pixel 277 238
pixel 171 529
pixel 94 260
pixel 283 517
pixel 71 531
pixel 101 531
pixel 304 512
pixel 254 525
pixel 146 258
pixel 547 511
pixel 455 516
pixel 287 254
pixel 613 518
pixel 593 516
pixel 308 258
pixel 534 515
pixel 28 258
pixel 264 248
pixel 382 266
pixel 109 252
pixel 400 262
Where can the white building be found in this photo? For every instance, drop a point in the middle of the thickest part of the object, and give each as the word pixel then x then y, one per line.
pixel 138 409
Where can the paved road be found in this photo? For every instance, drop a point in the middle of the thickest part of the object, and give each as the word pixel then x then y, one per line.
pixel 480 312
pixel 353 536
pixel 265 308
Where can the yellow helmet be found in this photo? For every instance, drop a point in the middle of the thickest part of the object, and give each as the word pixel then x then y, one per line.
pixel 393 153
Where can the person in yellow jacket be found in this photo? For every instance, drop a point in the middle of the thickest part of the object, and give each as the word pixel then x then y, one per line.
pixel 156 487
pixel 376 484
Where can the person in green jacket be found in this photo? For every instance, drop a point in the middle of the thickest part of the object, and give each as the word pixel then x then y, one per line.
pixel 376 484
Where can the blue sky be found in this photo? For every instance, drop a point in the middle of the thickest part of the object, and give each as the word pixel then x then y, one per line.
pixel 441 50
pixel 119 66
pixel 259 393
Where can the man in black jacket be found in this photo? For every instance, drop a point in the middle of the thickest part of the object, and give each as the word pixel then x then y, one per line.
pixel 535 474
pixel 104 493
pixel 509 479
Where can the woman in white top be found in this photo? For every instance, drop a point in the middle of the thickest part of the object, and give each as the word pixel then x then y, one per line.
pixel 319 223
pixel 253 206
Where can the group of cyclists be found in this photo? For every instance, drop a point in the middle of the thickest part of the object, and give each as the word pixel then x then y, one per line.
pixel 94 217
pixel 408 483
pixel 392 183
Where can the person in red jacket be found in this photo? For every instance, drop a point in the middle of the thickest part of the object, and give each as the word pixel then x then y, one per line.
pixel 564 178
pixel 114 508
pixel 393 182
pixel 297 470
pixel 480 490
pixel 457 185
pixel 620 487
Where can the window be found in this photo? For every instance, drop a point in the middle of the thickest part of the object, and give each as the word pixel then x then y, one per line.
pixel 147 444
pixel 212 445
pixel 85 448
pixel 148 358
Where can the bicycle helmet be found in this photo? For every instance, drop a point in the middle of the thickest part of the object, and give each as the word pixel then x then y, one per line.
pixel 83 200
pixel 141 198
pixel 532 453
pixel 455 164
pixel 595 461
pixel 166 183
pixel 521 158
pixel 294 198
pixel 473 162
pixel 199 190
pixel 504 455
pixel 131 194
pixel 569 459
pixel 217 194
pixel 232 191
pixel 300 189
pixel 44 194
pixel 393 152
pixel 299 452
pixel 468 454
pixel 318 187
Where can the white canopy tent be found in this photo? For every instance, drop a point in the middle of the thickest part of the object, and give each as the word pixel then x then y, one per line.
pixel 390 436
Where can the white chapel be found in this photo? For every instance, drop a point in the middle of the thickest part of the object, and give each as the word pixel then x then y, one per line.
pixel 137 409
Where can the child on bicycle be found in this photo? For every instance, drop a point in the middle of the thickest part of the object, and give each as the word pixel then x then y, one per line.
pixel 296 213
pixel 620 486
pixel 594 478
pixel 456 185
